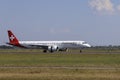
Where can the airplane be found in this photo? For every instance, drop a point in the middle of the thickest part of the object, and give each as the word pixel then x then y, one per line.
pixel 50 46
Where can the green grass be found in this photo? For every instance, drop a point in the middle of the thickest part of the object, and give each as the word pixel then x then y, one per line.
pixel 37 59
pixel 16 65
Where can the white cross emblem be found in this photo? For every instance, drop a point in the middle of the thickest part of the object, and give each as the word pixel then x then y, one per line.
pixel 12 37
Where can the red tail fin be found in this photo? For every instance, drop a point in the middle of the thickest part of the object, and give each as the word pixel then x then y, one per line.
pixel 13 40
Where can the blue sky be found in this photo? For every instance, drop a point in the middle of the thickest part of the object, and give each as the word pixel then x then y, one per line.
pixel 95 21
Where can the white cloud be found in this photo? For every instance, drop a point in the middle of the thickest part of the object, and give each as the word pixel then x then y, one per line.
pixel 102 5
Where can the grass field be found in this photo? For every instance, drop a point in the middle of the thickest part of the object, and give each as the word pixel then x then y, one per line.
pixel 71 65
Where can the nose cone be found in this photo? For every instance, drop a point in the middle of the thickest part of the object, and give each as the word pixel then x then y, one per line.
pixel 87 45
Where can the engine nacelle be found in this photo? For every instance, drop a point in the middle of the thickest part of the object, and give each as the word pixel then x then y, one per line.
pixel 52 48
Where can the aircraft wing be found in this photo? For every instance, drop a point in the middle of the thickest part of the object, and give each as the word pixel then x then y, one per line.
pixel 40 46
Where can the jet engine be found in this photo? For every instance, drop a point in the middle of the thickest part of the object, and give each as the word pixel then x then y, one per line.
pixel 52 48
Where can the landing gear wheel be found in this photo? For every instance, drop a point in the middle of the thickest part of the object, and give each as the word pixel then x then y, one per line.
pixel 51 51
pixel 80 51
pixel 44 51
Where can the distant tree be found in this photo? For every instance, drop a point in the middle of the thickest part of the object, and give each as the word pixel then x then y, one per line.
pixel 6 47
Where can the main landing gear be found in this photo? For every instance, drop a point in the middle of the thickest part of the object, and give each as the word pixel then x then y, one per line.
pixel 80 51
pixel 44 51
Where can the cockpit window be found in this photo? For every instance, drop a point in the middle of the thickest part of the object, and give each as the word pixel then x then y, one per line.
pixel 84 43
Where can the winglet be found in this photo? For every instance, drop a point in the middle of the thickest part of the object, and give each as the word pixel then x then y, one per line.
pixel 13 40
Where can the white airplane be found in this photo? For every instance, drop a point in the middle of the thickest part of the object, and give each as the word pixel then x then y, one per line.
pixel 50 46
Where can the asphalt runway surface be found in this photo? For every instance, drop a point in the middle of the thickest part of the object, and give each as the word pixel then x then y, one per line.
pixel 61 53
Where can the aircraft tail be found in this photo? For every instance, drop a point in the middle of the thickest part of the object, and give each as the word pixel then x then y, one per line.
pixel 12 39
